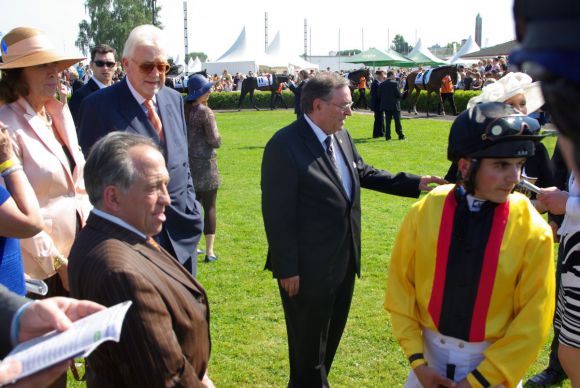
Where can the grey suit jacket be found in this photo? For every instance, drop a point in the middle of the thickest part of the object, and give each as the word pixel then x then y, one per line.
pixel 165 337
pixel 115 109
pixel 312 227
pixel 9 305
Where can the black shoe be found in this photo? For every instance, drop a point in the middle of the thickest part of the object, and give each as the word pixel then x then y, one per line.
pixel 209 258
pixel 546 378
pixel 387 138
pixel 402 137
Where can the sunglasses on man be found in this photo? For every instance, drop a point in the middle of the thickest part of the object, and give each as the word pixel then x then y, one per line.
pixel 147 67
pixel 110 65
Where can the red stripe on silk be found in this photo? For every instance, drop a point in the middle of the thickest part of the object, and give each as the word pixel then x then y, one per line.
pixel 443 243
pixel 487 278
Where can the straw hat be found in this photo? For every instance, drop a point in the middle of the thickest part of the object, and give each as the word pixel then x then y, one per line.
pixel 507 87
pixel 25 47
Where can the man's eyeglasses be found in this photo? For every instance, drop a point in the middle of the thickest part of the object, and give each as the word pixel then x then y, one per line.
pixel 110 65
pixel 147 67
pixel 344 108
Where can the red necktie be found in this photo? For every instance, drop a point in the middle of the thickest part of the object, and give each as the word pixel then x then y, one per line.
pixel 154 118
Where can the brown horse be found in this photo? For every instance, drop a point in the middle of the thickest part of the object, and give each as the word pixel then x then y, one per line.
pixel 433 84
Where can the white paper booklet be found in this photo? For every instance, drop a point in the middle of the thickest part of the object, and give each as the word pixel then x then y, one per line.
pixel 84 336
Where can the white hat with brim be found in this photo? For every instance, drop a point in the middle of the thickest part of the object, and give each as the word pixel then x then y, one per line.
pixel 508 86
pixel 26 47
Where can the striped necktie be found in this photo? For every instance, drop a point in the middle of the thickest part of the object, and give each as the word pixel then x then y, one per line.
pixel 154 119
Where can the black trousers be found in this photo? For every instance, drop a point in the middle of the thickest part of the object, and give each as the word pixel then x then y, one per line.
pixel 448 96
pixel 315 323
pixel 393 114
pixel 379 124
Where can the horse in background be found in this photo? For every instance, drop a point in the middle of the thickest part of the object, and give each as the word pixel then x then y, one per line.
pixel 263 83
pixel 354 77
pixel 430 81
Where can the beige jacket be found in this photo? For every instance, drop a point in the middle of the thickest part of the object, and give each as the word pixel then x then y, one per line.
pixel 61 192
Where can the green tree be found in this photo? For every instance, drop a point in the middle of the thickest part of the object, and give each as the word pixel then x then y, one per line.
pixel 112 20
pixel 201 55
pixel 401 44
pixel 348 52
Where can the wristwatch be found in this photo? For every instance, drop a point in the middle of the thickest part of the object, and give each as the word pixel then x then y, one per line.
pixel 58 261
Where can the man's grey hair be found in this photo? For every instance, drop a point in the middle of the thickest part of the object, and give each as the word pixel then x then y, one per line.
pixel 322 85
pixel 109 164
pixel 144 35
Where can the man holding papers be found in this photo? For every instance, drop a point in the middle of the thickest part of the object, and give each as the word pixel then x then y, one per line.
pixel 165 338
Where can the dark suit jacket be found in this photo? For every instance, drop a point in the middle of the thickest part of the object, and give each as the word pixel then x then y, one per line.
pixel 390 96
pixel 375 98
pixel 165 337
pixel 115 109
pixel 77 98
pixel 311 226
pixel 9 305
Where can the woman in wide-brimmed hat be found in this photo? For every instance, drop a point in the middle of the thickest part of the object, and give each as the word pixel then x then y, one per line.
pixel 204 138
pixel 45 145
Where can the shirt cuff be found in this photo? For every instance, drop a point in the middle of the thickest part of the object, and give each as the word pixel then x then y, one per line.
pixel 15 325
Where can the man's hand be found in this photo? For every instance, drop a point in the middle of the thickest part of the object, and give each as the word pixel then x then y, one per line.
pixel 291 285
pixel 428 179
pixel 430 378
pixel 53 314
pixel 9 370
pixel 554 200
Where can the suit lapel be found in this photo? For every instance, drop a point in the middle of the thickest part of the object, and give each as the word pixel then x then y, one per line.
pixel 167 114
pixel 163 260
pixel 42 132
pixel 133 113
pixel 93 85
pixel 343 142
pixel 319 154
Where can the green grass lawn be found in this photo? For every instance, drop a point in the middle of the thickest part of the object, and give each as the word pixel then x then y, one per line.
pixel 247 323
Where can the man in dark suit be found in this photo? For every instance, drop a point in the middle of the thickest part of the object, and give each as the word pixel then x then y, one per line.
pixel 379 124
pixel 390 103
pixel 311 180
pixel 103 65
pixel 165 339
pixel 140 104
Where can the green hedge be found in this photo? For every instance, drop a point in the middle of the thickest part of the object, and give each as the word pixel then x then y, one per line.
pixel 229 100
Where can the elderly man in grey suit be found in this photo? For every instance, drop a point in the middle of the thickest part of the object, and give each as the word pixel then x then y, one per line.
pixel 311 180
pixel 141 104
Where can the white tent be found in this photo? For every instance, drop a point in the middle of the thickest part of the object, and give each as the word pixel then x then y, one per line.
pixel 423 56
pixel 194 65
pixel 294 62
pixel 243 56
pixel 468 47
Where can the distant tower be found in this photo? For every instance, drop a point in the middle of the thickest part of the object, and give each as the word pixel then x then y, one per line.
pixel 265 30
pixel 478 30
pixel 305 38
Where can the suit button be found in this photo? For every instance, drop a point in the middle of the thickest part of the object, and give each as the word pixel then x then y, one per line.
pixel 461 345
pixel 442 341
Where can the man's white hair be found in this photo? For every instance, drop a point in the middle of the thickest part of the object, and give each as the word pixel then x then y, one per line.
pixel 144 35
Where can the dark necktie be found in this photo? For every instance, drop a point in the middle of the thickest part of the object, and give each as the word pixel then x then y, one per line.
pixel 330 153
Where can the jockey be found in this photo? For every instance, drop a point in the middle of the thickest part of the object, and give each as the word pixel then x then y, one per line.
pixel 473 262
